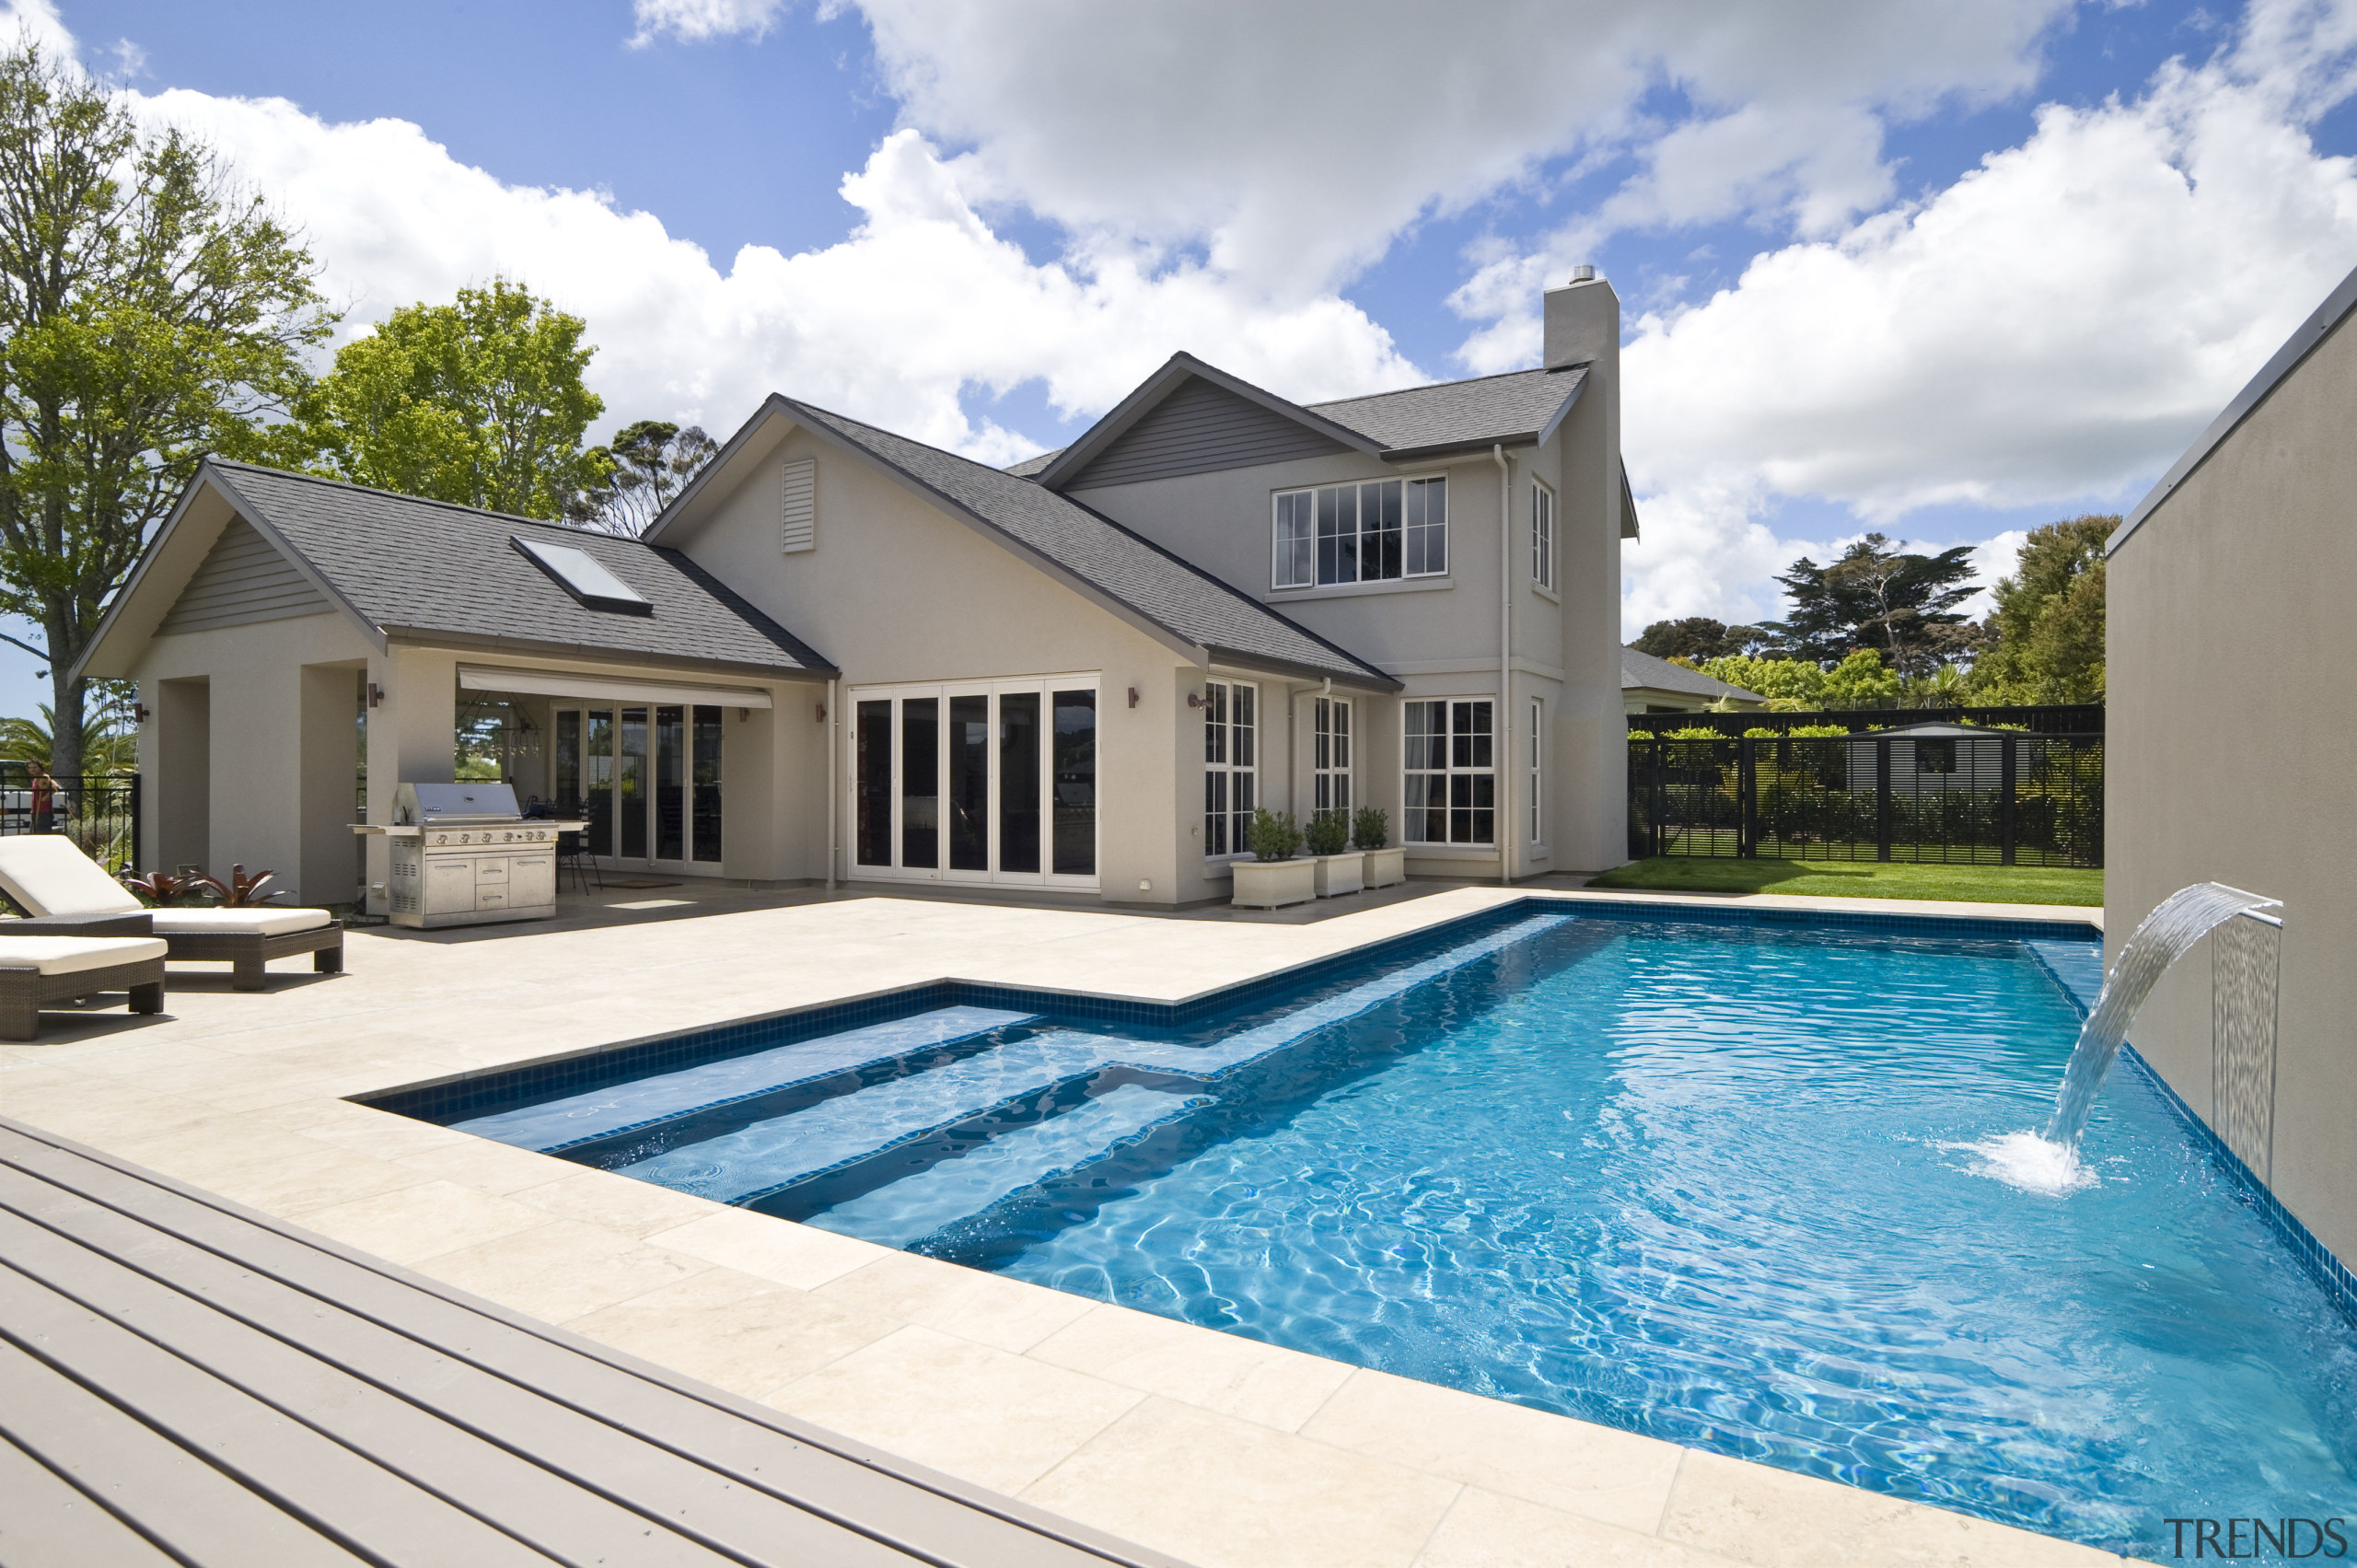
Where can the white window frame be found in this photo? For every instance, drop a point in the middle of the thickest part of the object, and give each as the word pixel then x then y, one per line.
pixel 1231 762
pixel 1537 773
pixel 1046 687
pixel 1543 534
pixel 1467 751
pixel 1332 748
pixel 1295 540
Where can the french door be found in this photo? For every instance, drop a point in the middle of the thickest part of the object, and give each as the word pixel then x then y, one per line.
pixel 646 779
pixel 976 782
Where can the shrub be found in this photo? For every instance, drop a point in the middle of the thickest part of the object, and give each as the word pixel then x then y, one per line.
pixel 1371 828
pixel 1330 832
pixel 1273 835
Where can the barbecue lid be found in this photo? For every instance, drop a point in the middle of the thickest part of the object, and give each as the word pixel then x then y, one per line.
pixel 414 804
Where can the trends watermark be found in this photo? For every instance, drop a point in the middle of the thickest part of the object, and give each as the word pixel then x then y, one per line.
pixel 2246 1539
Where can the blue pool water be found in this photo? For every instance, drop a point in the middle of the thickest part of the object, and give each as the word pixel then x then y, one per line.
pixel 1711 1182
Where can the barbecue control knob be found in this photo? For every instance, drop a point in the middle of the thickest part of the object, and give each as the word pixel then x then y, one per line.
pixel 441 838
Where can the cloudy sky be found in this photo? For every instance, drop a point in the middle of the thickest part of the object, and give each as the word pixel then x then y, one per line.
pixel 1949 269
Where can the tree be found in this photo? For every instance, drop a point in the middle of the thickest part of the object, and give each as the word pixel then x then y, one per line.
pixel 106 746
pixel 650 462
pixel 1697 638
pixel 2048 622
pixel 1875 595
pixel 149 312
pixel 1860 681
pixel 479 401
pixel 1778 680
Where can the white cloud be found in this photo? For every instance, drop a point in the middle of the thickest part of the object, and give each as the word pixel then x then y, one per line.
pixel 698 20
pixel 2050 329
pixel 919 302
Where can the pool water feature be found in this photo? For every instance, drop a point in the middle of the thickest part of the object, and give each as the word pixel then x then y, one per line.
pixel 1713 1182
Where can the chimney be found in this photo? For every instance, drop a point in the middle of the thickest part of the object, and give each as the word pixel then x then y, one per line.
pixel 1583 323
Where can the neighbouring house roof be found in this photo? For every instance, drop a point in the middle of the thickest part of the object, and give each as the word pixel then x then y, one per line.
pixel 1642 672
pixel 2294 352
pixel 1032 466
pixel 414 569
pixel 1087 549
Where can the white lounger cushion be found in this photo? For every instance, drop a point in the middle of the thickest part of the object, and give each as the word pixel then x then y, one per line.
pixel 265 921
pixel 47 875
pixel 66 955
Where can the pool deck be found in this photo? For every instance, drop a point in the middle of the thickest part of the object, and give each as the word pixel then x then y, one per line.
pixel 1211 1448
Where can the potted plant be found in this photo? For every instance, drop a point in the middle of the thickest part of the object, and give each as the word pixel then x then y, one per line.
pixel 1273 877
pixel 1371 830
pixel 1338 872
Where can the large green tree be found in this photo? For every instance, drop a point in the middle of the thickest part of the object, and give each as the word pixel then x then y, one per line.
pixel 479 401
pixel 1697 637
pixel 149 312
pixel 2049 621
pixel 1877 595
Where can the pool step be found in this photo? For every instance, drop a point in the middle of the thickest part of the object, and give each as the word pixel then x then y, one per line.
pixel 557 1125
pixel 915 1206
pixel 769 1156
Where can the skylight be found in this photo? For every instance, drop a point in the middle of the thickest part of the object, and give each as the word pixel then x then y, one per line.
pixel 579 573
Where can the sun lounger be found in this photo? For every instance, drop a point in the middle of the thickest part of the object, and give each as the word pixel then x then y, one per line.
pixel 62 890
pixel 37 969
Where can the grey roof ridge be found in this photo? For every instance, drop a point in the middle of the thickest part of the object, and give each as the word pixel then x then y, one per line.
pixel 1461 382
pixel 951 501
pixel 1151 391
pixel 2296 348
pixel 309 478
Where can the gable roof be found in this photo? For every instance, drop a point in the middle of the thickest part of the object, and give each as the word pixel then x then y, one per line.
pixel 1089 551
pixel 405 567
pixel 2320 325
pixel 1416 422
pixel 1643 672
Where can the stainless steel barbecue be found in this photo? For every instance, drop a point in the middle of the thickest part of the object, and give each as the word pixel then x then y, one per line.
pixel 463 855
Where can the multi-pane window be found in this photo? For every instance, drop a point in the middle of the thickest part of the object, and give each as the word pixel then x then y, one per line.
pixel 1451 795
pixel 1230 765
pixel 1537 769
pixel 1332 752
pixel 1542 535
pixel 1361 533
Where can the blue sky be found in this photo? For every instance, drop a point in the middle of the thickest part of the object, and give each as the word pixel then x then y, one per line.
pixel 1945 269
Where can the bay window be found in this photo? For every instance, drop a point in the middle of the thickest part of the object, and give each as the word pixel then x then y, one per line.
pixel 1542 535
pixel 1451 772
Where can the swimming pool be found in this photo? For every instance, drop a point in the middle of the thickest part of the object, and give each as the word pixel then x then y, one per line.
pixel 1704 1179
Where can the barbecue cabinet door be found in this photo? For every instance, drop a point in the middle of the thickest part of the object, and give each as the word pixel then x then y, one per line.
pixel 449 884
pixel 531 881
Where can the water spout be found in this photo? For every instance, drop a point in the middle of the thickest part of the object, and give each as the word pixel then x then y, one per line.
pixel 2183 918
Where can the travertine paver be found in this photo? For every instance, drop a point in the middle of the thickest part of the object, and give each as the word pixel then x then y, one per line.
pixel 1213 1448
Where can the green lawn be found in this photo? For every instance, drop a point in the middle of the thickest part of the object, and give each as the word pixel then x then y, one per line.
pixel 1860 879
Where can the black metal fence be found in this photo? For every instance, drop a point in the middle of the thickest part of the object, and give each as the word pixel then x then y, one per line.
pixel 2072 719
pixel 99 812
pixel 2021 800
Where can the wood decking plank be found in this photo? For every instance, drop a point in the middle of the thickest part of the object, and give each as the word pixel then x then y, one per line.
pixel 939 1520
pixel 49 1524
pixel 169 1493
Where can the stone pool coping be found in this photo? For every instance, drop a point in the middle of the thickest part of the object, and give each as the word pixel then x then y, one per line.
pixel 1210 1448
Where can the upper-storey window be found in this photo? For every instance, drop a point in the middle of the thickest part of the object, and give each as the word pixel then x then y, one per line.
pixel 1361 533
pixel 1542 535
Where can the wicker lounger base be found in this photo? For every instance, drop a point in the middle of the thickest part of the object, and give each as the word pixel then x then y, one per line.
pixel 250 950
pixel 23 991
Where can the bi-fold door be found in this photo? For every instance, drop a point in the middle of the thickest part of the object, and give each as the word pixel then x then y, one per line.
pixel 982 782
pixel 646 779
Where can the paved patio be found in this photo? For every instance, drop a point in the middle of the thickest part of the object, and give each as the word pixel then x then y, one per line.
pixel 1213 1448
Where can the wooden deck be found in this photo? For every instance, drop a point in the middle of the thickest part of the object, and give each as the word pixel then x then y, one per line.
pixel 185 1381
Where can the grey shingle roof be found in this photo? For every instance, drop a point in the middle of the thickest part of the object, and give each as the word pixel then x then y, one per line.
pixel 1490 408
pixel 418 565
pixel 1032 466
pixel 1163 588
pixel 1659 674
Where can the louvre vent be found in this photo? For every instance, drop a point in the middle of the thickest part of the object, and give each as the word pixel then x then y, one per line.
pixel 798 505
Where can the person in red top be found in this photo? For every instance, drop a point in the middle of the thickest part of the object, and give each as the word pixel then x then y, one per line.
pixel 44 798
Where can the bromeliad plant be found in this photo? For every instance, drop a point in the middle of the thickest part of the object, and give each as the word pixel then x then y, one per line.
pixel 241 891
pixel 163 888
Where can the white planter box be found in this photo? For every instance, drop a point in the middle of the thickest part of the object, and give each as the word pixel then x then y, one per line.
pixel 1267 884
pixel 1385 866
pixel 1340 874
